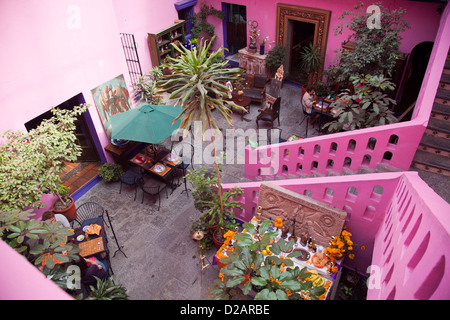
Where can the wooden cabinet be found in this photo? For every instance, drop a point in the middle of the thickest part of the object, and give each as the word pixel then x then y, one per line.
pixel 159 43
pixel 254 63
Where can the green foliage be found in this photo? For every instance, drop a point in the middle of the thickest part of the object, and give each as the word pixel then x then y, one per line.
pixel 198 85
pixel 201 27
pixel 203 184
pixel 30 162
pixel 110 172
pixel 310 58
pixel 368 107
pixel 107 290
pixel 221 209
pixel 247 262
pixel 146 89
pixel 17 226
pixel 275 58
pixel 200 225
pixel 375 49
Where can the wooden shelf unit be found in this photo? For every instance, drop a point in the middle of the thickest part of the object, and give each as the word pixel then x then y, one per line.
pixel 159 43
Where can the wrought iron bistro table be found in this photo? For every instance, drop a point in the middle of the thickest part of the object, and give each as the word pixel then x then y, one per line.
pixel 158 164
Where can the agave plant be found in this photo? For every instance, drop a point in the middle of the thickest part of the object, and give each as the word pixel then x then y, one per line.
pixel 107 290
pixel 197 83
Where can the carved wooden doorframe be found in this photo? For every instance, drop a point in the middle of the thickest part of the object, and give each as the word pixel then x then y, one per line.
pixel 320 18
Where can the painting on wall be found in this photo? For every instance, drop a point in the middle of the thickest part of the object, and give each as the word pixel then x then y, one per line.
pixel 111 97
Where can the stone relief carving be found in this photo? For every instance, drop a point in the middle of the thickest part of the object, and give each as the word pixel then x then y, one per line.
pixel 320 220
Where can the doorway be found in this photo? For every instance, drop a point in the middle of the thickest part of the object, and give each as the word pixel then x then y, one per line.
pixel 300 35
pixel 82 171
pixel 235 29
pixel 295 25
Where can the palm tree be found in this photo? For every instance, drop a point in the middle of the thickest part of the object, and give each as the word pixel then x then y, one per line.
pixel 198 83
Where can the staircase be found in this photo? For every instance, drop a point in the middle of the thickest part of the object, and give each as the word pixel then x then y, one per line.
pixel 433 153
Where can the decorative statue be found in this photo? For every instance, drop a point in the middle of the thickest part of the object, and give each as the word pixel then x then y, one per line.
pixel 259 213
pixel 253 35
pixel 230 87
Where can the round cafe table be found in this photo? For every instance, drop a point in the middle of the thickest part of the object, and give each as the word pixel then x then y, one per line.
pixel 242 102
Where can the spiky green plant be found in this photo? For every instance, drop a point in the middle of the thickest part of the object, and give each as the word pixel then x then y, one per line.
pixel 107 290
pixel 198 84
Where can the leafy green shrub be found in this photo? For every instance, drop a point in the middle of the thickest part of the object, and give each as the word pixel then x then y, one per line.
pixel 110 172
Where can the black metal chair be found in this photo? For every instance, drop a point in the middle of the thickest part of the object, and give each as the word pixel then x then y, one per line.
pixel 270 112
pixel 89 213
pixel 153 188
pixel 130 178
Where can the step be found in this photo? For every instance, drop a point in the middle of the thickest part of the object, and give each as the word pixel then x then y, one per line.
pixel 442 109
pixel 430 160
pixel 435 142
pixel 445 78
pixel 435 145
pixel 443 94
pixel 439 125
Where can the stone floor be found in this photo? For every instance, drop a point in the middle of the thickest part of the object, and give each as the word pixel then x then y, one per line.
pixel 162 261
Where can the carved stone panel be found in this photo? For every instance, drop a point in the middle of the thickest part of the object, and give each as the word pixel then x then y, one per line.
pixel 320 220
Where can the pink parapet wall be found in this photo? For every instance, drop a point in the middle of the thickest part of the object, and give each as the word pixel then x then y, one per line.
pixel 402 223
pixel 20 280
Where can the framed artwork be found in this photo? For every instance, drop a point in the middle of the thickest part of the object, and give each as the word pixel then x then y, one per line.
pixel 110 98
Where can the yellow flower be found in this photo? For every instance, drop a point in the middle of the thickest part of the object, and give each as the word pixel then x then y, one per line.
pixel 363 248
pixel 351 256
pixel 229 235
pixel 221 276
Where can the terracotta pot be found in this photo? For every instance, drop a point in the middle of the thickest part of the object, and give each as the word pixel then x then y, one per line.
pixel 217 242
pixel 69 212
pixel 219 264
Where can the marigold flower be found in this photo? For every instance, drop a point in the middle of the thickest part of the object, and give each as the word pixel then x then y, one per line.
pixel 334 269
pixel 278 222
pixel 363 248
pixel 221 276
pixel 351 256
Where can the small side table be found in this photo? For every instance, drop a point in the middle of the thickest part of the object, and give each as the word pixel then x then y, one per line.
pixel 244 102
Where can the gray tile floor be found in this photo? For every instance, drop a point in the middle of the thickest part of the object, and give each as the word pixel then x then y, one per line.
pixel 162 261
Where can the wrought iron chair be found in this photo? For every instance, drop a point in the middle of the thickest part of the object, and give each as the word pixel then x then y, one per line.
pixel 153 188
pixel 89 213
pixel 130 178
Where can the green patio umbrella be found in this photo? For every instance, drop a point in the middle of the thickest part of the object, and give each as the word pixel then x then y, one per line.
pixel 146 123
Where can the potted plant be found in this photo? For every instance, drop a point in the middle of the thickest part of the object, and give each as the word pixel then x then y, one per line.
pixel 275 58
pixel 146 90
pixel 367 107
pixel 198 98
pixel 375 50
pixel 107 290
pixel 32 161
pixel 110 172
pixel 65 204
pixel 310 63
pixel 201 232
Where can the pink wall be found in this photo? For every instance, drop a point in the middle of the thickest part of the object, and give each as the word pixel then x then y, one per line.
pixel 422 17
pixel 405 229
pixel 140 17
pixel 20 280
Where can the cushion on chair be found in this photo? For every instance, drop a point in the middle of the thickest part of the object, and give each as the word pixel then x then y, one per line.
pixel 259 80
pixel 253 93
pixel 92 221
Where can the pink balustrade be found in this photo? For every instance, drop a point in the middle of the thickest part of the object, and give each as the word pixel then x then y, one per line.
pixel 393 145
pixel 402 223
